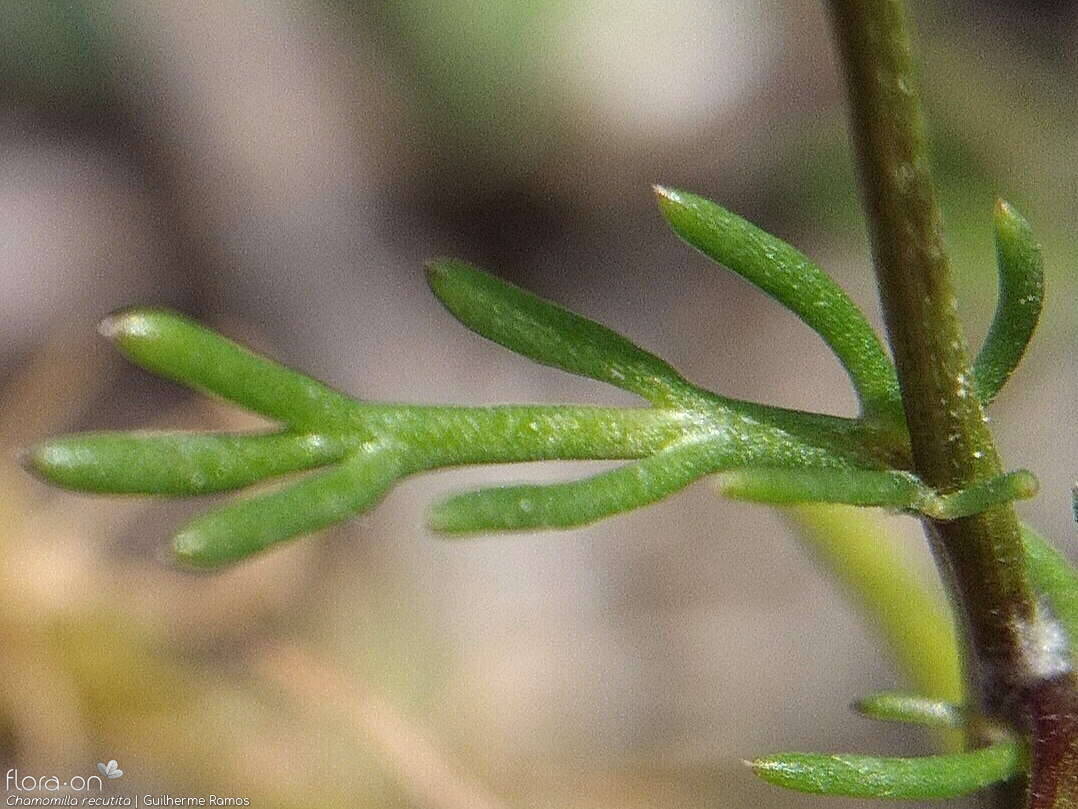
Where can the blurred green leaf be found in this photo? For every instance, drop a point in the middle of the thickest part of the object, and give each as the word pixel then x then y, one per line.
pixel 894 706
pixel 53 50
pixel 926 778
pixel 915 621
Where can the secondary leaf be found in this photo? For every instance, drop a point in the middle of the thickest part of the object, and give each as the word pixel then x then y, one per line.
pixel 1021 295
pixel 895 706
pixel 789 277
pixel 924 778
pixel 175 347
pixel 549 334
pixel 567 505
pixel 251 525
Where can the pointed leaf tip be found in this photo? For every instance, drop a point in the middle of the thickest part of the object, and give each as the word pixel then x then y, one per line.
pixel 1007 216
pixel 437 268
pixel 664 192
pixel 42 460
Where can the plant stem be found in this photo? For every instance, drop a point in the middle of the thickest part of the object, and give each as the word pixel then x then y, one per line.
pixel 951 443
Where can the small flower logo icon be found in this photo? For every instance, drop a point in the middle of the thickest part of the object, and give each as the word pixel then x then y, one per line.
pixel 110 770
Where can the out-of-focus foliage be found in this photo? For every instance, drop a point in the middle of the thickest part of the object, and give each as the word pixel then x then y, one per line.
pixel 52 49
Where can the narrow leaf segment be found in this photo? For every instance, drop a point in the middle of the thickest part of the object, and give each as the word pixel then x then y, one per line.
pixel 549 334
pixel 253 524
pixel 790 278
pixel 924 778
pixel 857 487
pixel 180 463
pixel 894 706
pixel 567 505
pixel 181 350
pixel 1021 295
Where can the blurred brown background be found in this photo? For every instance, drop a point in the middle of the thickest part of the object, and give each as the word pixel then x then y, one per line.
pixel 281 170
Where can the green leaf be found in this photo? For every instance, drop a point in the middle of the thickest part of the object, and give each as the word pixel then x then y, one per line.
pixel 176 463
pixel 551 335
pixel 172 346
pixel 1021 295
pixel 1055 578
pixel 567 505
pixel 894 706
pixel 249 526
pixel 925 778
pixel 790 278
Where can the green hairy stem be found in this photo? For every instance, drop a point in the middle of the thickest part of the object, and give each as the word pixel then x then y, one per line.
pixel 951 444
